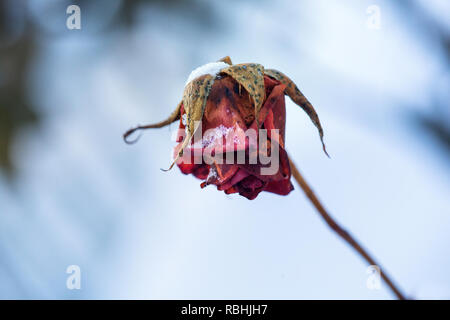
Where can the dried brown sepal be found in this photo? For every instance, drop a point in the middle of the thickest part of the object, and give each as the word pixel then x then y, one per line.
pixel 227 60
pixel 297 96
pixel 251 77
pixel 195 96
pixel 174 116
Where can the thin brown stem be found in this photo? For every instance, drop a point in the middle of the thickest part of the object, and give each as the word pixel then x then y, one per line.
pixel 339 230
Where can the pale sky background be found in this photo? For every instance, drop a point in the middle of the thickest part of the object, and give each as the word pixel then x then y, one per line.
pixel 83 197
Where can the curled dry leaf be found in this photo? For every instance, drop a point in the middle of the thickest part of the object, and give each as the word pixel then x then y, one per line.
pixel 297 96
pixel 251 77
pixel 195 95
pixel 174 116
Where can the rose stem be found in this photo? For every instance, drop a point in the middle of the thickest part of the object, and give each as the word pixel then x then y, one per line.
pixel 338 229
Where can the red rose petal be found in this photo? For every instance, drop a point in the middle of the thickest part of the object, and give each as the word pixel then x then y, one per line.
pixel 229 112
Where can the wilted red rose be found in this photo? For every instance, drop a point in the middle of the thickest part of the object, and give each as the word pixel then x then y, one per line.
pixel 218 110
pixel 229 112
pixel 232 119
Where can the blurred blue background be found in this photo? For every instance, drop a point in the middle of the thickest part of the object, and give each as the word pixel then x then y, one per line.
pixel 72 193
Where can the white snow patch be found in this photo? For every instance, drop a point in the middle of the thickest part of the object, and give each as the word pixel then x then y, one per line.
pixel 212 135
pixel 212 68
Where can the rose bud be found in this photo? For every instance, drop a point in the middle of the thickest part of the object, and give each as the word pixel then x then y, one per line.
pixel 232 128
